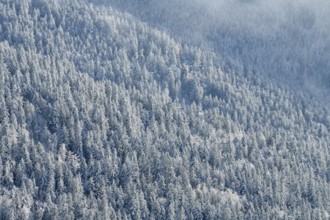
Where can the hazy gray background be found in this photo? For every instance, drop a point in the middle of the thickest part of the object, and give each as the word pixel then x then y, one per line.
pixel 288 41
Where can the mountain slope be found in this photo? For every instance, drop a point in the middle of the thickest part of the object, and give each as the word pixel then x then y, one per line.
pixel 103 117
pixel 285 41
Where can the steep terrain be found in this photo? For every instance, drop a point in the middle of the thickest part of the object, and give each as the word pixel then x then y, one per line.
pixel 103 117
pixel 285 41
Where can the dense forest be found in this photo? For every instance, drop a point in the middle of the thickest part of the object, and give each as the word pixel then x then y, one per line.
pixel 286 41
pixel 103 116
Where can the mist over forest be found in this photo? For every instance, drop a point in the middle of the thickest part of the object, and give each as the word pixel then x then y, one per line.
pixel 178 109
pixel 285 41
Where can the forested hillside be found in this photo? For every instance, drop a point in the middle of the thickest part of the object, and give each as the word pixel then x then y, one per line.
pixel 286 41
pixel 104 117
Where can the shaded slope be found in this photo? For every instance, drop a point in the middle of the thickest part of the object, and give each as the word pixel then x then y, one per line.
pixel 102 116
pixel 282 41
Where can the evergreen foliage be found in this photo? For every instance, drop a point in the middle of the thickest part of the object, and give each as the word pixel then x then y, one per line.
pixel 103 117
